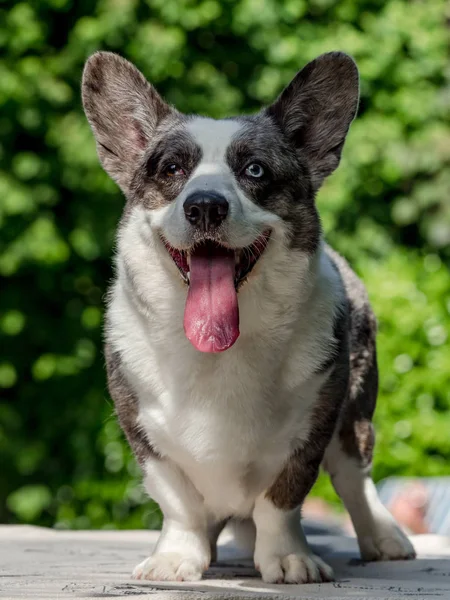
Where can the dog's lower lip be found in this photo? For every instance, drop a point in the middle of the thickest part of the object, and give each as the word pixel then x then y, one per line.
pixel 245 258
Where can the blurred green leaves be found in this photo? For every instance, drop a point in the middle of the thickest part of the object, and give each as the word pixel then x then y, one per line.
pixel 64 459
pixel 28 502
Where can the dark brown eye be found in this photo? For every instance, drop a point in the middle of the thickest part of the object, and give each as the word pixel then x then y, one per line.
pixel 174 170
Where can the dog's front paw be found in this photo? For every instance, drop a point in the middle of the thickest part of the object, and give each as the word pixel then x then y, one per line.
pixel 294 568
pixel 386 541
pixel 170 566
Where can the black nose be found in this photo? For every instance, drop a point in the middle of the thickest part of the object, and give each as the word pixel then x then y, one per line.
pixel 205 210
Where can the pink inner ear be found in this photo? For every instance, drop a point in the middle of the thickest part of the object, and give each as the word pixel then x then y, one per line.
pixel 141 140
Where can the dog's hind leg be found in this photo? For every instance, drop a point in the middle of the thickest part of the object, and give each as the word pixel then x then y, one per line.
pixel 244 535
pixel 348 460
pixel 214 530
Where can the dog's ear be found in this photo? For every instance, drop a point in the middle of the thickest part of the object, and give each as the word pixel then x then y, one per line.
pixel 123 110
pixel 316 109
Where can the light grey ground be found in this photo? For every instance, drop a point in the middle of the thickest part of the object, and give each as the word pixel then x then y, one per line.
pixel 44 563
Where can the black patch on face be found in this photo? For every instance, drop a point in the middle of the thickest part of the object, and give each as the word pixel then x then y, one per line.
pixel 285 188
pixel 151 184
pixel 177 147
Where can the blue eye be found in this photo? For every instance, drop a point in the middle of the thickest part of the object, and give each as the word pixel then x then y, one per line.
pixel 254 170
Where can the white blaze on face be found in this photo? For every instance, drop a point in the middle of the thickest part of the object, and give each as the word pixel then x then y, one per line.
pixel 213 137
pixel 211 318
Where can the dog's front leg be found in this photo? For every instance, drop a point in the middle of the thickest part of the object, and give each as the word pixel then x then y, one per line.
pixel 282 554
pixel 281 550
pixel 183 550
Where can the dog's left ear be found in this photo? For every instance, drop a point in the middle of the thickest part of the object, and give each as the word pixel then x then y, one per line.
pixel 316 109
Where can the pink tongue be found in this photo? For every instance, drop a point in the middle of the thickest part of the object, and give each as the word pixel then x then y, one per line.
pixel 211 315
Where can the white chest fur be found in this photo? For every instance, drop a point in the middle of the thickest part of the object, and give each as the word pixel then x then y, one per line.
pixel 230 421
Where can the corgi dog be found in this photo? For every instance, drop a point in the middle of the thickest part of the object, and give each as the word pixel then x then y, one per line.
pixel 240 348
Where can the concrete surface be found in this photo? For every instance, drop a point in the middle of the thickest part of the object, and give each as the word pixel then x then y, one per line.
pixel 44 563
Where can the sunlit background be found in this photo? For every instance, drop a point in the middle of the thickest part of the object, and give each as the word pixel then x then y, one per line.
pixel 64 461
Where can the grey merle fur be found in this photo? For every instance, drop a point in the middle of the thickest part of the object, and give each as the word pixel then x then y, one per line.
pixel 126 405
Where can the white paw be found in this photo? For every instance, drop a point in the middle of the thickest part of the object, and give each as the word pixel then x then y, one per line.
pixel 295 568
pixel 386 541
pixel 170 566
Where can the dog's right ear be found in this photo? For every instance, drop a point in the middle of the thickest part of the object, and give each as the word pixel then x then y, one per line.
pixel 123 110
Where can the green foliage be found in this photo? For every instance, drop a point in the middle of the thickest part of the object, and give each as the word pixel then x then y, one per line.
pixel 64 460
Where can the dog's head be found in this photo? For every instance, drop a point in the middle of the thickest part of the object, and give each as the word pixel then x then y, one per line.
pixel 217 193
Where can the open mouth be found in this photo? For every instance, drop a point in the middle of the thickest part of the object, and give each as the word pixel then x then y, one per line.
pixel 244 258
pixel 214 274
